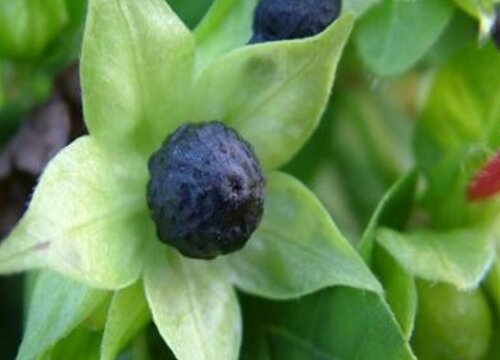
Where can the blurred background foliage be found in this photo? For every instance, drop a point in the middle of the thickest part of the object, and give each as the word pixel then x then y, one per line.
pixel 368 138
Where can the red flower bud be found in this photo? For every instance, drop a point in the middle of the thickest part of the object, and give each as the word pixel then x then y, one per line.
pixel 486 184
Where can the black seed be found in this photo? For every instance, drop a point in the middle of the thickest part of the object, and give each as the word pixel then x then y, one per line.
pixel 206 191
pixel 292 19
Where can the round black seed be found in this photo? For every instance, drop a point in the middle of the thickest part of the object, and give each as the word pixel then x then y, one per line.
pixel 206 190
pixel 292 19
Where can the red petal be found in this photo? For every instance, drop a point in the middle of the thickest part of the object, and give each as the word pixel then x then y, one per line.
pixel 486 184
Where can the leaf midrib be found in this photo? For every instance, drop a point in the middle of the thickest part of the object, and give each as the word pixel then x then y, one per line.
pixel 44 244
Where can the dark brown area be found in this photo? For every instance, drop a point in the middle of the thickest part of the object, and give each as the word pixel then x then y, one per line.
pixel 43 133
pixel 46 129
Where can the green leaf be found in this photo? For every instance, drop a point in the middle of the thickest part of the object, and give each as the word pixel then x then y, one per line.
pixel 476 7
pixel 127 315
pixel 328 185
pixel 494 349
pixel 394 35
pixel 460 33
pixel 87 220
pixel 455 138
pixel 227 26
pixel 314 167
pixel 136 71
pixel 259 90
pixel 492 282
pixel 58 306
pixel 367 136
pixel 3 100
pixel 81 344
pixel 451 324
pixel 464 127
pixel 337 323
pixel 96 321
pixel 190 12
pixel 460 257
pixel 28 26
pixel 392 211
pixel 297 249
pixel 194 307
pixel 483 10
pixel 400 289
pixel 358 6
pixel 66 47
pixel 25 86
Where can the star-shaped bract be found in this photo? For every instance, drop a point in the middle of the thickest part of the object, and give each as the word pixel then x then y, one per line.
pixel 143 76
